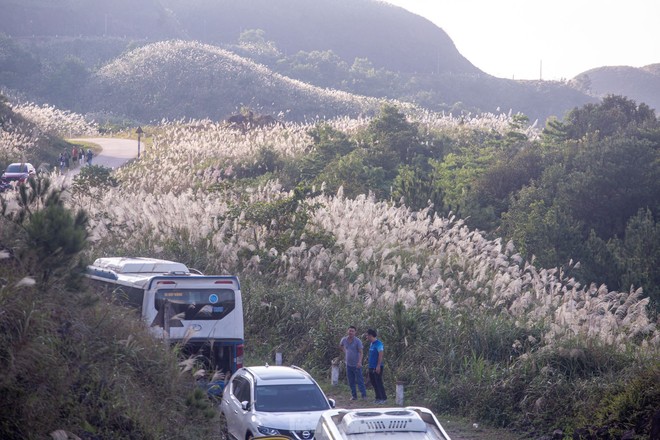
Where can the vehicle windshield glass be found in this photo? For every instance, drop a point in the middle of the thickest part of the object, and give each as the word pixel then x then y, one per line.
pixel 17 168
pixel 196 304
pixel 290 398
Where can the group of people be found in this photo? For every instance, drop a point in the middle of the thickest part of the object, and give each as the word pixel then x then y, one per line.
pixel 78 154
pixel 352 347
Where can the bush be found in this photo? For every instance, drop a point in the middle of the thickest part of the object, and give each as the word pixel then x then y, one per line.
pixel 69 363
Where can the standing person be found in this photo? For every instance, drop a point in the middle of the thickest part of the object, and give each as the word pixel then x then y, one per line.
pixel 74 155
pixel 352 348
pixel 376 365
pixel 81 155
pixel 90 155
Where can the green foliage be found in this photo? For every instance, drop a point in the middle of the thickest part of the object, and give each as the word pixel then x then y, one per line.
pixel 455 175
pixel 607 181
pixel 253 43
pixel 70 362
pixel 91 370
pixel 276 311
pixel 63 81
pixel 323 68
pixel 614 115
pixel 547 232
pixel 631 404
pixel 414 188
pixel 92 178
pixel 632 260
pixel 599 167
pixel 18 64
pixel 288 220
pixel 490 196
pixel 329 145
pixel 49 237
pixel 355 175
pixel 392 138
pixel 266 161
pixel 387 159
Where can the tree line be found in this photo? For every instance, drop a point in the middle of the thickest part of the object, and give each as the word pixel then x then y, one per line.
pixel 587 190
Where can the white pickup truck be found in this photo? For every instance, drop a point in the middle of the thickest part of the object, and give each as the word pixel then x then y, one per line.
pixel 414 423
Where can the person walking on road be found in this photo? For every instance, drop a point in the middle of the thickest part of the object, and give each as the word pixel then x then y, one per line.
pixel 352 348
pixel 376 365
pixel 90 155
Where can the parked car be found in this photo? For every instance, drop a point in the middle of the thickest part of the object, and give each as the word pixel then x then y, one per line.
pixel 271 401
pixel 18 172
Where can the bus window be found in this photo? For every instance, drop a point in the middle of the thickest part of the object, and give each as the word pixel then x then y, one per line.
pixel 196 304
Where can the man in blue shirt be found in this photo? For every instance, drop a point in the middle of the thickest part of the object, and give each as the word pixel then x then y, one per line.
pixel 376 365
pixel 352 348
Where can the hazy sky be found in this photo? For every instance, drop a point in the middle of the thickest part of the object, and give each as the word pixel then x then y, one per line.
pixel 523 39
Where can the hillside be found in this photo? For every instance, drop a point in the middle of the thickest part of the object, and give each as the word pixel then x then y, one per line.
pixel 89 18
pixel 641 84
pixel 53 51
pixel 388 36
pixel 180 79
pixel 313 221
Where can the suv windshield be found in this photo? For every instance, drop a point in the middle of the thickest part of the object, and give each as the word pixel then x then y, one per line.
pixel 289 398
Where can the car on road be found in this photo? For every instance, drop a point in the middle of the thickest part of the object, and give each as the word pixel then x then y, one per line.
pixel 18 172
pixel 273 400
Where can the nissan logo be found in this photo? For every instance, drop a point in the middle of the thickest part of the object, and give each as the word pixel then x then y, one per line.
pixel 306 434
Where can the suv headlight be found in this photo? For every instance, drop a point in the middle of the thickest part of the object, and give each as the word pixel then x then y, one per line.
pixel 267 431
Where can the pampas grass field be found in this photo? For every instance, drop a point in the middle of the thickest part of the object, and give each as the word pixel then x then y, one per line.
pixel 470 325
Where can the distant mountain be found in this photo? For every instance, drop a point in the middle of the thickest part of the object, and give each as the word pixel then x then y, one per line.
pixel 87 18
pixel 388 36
pixel 640 84
pixel 53 50
pixel 184 79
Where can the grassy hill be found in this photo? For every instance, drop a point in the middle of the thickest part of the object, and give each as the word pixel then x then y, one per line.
pixel 181 79
pixel 641 84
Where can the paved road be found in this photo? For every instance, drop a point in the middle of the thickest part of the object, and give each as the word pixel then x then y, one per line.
pixel 115 152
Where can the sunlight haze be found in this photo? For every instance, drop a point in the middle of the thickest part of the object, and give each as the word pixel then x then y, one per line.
pixel 528 39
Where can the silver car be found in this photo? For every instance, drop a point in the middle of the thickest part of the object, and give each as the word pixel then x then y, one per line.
pixel 273 400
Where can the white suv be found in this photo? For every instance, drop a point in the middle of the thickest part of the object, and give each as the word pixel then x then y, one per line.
pixel 273 400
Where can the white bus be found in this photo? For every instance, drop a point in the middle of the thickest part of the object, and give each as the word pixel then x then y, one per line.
pixel 204 313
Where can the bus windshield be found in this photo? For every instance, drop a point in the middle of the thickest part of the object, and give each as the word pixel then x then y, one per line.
pixel 196 304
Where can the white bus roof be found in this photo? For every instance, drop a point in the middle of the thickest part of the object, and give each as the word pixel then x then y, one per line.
pixel 131 265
